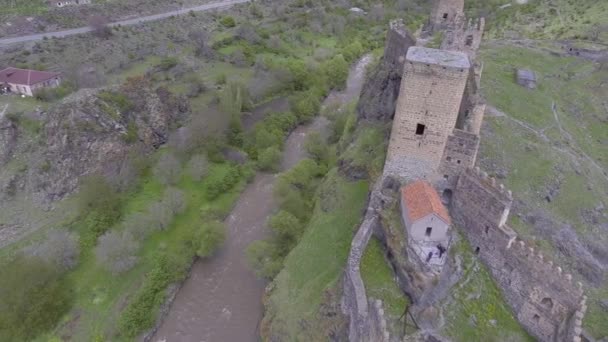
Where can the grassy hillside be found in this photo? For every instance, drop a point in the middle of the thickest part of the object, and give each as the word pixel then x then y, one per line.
pixel 475 310
pixel 549 145
pixel 314 267
pixel 544 19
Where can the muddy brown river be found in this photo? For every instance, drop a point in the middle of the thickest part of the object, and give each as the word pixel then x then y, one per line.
pixel 221 299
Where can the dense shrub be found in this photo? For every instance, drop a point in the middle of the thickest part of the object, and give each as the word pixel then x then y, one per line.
pixel 317 148
pixel 305 105
pixel 53 94
pixel 210 237
pixel 228 21
pixel 116 99
pixel 168 63
pixel 34 298
pixel 270 159
pixel 99 207
pixel 218 186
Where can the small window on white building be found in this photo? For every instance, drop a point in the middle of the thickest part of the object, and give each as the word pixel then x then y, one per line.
pixel 429 230
pixel 445 15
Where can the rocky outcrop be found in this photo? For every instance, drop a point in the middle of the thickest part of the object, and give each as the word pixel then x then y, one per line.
pixel 380 91
pixel 87 132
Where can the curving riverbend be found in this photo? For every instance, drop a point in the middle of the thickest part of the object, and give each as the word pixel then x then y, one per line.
pixel 221 300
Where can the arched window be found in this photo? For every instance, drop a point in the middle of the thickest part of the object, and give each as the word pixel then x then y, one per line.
pixel 547 303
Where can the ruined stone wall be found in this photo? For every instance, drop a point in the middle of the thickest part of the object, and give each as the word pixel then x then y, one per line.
pixel 464 35
pixel 430 94
pixel 367 320
pixel 460 154
pixel 545 300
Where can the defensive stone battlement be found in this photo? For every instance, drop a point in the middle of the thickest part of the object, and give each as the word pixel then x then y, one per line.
pixel 545 299
pixel 464 35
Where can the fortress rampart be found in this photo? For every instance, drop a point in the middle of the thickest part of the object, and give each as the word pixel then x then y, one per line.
pixel 546 301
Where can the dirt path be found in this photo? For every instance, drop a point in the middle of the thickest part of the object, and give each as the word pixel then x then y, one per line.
pixel 128 22
pixel 221 300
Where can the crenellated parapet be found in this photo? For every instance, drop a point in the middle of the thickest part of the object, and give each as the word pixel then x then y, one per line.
pixel 464 35
pixel 545 299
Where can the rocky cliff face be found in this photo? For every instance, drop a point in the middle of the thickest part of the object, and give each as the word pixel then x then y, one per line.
pixel 380 91
pixel 83 135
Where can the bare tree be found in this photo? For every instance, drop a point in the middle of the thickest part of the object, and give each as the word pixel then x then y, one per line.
pixel 198 166
pixel 116 251
pixel 139 225
pixel 168 169
pixel 160 215
pixel 60 248
pixel 202 46
pixel 247 32
pixel 99 25
pixel 174 201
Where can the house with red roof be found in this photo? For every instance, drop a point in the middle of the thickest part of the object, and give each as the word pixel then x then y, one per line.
pixel 424 215
pixel 427 223
pixel 27 82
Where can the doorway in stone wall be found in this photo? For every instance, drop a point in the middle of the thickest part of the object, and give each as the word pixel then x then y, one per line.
pixel 446 196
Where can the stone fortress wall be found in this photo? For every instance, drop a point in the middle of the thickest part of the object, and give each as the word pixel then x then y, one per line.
pixel 545 301
pixel 543 298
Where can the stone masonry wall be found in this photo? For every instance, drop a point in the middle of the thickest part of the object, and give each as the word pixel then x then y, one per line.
pixel 418 103
pixel 464 35
pixel 367 320
pixel 545 300
pixel 460 154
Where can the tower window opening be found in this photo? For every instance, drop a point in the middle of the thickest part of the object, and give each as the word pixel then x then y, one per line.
pixel 420 129
pixel 445 15
pixel 469 41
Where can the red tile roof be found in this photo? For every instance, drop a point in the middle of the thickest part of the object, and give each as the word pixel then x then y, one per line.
pixel 25 76
pixel 421 199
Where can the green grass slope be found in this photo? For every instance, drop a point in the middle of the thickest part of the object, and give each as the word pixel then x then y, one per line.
pixel 553 137
pixel 315 265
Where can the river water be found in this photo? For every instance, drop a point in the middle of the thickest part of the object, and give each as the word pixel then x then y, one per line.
pixel 221 300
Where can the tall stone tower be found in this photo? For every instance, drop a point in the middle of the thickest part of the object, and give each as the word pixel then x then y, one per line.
pixel 445 12
pixel 427 109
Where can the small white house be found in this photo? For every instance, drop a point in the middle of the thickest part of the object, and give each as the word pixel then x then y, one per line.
pixel 427 222
pixel 27 82
pixel 424 215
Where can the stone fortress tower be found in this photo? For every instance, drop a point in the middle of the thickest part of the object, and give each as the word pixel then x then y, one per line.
pixel 435 136
pixel 423 121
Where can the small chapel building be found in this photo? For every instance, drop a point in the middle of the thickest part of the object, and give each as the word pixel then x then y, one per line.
pixel 426 220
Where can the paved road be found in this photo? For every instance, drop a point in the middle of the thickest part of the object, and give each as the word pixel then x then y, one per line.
pixel 65 33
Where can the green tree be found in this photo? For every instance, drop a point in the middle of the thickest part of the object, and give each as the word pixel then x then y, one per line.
pixel 317 148
pixel 287 229
pixel 335 71
pixel 211 237
pixel 269 159
pixel 34 298
pixel 263 259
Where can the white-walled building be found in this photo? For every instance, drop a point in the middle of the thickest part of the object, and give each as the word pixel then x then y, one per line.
pixel 27 82
pixel 427 222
